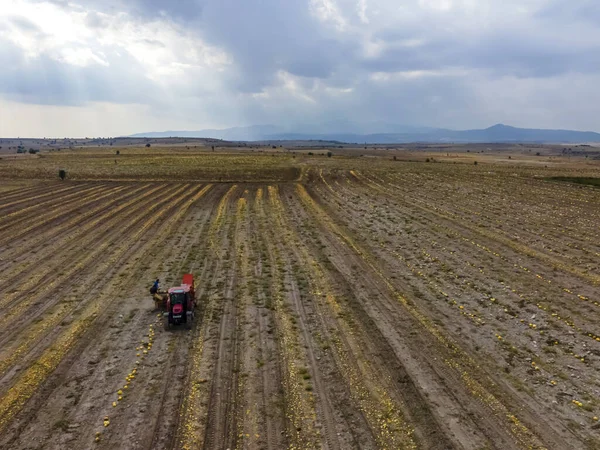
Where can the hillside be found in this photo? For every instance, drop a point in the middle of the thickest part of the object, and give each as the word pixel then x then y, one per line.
pixel 496 133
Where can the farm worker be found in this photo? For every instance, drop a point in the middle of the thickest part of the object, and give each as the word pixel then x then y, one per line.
pixel 154 288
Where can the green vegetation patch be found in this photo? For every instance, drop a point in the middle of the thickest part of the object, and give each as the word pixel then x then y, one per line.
pixel 590 181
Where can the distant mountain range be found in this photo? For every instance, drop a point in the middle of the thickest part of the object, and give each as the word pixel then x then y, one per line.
pixel 389 134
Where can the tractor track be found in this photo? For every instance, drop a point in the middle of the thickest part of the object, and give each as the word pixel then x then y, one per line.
pixel 386 317
pixel 258 389
pixel 164 413
pixel 164 433
pixel 175 370
pixel 298 401
pixel 328 422
pixel 262 412
pixel 223 416
pixel 325 411
pixel 428 426
pixel 271 256
pixel 193 409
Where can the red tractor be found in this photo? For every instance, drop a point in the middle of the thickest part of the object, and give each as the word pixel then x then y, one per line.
pixel 180 303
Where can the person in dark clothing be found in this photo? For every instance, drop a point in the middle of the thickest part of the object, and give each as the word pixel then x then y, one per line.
pixel 154 288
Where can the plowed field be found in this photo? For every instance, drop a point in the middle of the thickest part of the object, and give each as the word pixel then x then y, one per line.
pixel 414 306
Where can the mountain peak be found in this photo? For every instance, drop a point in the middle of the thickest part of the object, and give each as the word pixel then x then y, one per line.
pixel 500 126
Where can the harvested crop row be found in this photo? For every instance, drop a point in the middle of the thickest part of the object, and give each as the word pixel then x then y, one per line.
pixel 156 390
pixel 454 356
pixel 353 310
pixel 41 285
pixel 224 417
pixel 189 252
pixel 441 257
pixel 28 382
pixel 57 233
pixel 353 355
pixel 39 218
pixel 64 308
pixel 54 315
pixel 263 424
pixel 25 214
pixel 551 258
pixel 546 280
pixel 193 413
pixel 50 233
pixel 27 198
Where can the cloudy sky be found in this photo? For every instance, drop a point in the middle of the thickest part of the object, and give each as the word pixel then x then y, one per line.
pixel 115 67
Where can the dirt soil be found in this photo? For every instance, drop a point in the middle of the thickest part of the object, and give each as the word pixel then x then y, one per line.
pixel 400 305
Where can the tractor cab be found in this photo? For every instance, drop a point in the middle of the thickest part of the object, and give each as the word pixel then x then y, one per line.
pixel 180 303
pixel 178 300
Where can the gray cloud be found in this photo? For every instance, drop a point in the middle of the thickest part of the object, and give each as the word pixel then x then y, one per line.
pixel 46 81
pixel 412 65
pixel 153 42
pixel 276 36
pixel 183 10
pixel 585 10
pixel 262 37
pixel 501 53
pixel 25 25
pixel 95 20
